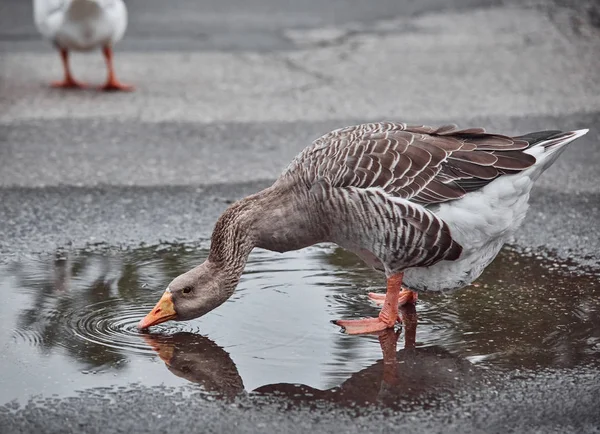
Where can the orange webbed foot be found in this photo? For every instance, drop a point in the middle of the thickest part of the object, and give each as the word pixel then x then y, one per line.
pixel 389 312
pixel 364 326
pixel 68 84
pixel 116 86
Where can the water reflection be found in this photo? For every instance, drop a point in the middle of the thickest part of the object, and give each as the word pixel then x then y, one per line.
pixel 523 312
pixel 411 375
pixel 70 307
pixel 199 360
pixel 76 313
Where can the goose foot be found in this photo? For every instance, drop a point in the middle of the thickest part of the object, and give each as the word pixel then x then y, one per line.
pixel 406 296
pixel 115 86
pixel 365 325
pixel 68 83
pixel 112 84
pixel 387 317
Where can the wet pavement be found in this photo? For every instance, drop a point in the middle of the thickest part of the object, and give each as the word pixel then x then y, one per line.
pixel 105 198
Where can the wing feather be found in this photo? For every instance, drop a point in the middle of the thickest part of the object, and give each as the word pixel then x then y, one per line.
pixel 420 163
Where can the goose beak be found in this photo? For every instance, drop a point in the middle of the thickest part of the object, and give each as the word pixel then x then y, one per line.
pixel 163 311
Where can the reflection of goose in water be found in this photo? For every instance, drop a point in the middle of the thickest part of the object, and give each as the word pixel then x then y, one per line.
pixel 411 373
pixel 199 360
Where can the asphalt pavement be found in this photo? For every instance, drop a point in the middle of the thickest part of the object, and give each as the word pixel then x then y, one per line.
pixel 227 93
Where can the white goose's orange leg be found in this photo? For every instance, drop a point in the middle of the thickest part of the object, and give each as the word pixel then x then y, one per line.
pixel 406 296
pixel 112 84
pixel 387 317
pixel 69 82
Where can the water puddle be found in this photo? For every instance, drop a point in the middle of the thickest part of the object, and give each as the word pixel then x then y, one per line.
pixel 68 323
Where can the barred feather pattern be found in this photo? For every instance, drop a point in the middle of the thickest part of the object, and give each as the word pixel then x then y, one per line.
pixel 398 233
pixel 377 181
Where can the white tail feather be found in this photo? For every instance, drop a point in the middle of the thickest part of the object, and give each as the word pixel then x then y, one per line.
pixel 547 151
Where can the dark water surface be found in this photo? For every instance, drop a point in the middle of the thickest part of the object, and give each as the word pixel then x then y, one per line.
pixel 68 323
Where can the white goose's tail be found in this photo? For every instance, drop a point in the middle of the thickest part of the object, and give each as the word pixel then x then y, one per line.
pixel 546 146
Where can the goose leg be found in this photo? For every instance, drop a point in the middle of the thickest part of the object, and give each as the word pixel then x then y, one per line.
pixel 112 84
pixel 406 297
pixel 387 317
pixel 69 82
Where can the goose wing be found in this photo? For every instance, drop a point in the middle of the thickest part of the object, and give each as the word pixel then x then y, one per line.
pixel 419 163
pixel 47 15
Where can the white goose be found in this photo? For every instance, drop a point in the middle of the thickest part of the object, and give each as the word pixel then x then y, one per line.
pixel 430 208
pixel 83 25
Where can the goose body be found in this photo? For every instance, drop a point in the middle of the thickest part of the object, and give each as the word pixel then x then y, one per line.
pixel 437 204
pixel 429 207
pixel 82 25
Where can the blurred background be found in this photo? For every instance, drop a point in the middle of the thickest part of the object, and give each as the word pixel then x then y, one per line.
pixel 261 78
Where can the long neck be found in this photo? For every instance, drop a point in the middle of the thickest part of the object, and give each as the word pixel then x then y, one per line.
pixel 233 239
pixel 279 218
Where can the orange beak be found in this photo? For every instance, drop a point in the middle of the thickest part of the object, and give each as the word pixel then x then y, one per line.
pixel 163 311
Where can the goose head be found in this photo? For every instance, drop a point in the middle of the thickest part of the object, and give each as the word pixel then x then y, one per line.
pixel 203 288
pixel 192 294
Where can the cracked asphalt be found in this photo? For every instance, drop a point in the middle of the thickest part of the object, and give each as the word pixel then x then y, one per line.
pixel 226 97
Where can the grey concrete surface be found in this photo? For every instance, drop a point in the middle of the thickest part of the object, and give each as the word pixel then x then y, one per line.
pixel 549 402
pixel 193 25
pixel 225 97
pixel 39 220
pixel 428 67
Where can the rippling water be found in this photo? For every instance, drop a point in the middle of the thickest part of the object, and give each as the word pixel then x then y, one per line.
pixel 69 323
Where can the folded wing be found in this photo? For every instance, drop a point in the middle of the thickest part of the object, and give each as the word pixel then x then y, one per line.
pixel 418 163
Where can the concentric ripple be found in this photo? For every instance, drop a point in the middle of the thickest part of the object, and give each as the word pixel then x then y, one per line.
pixel 108 324
pixel 32 336
pixel 114 326
pixel 102 324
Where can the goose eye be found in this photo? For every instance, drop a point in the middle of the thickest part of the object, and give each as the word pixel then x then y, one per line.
pixel 187 289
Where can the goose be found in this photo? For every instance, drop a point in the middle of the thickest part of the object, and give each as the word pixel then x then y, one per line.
pixel 83 25
pixel 429 207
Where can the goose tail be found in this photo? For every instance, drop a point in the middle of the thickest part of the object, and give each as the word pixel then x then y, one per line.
pixel 546 147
